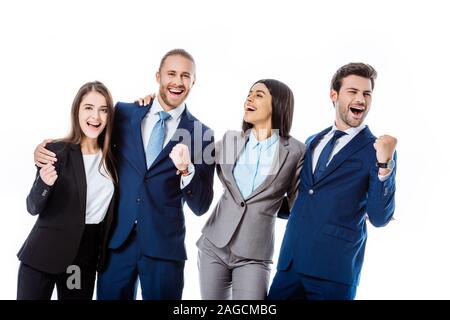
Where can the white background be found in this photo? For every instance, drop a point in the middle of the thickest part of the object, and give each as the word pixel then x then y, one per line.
pixel 50 48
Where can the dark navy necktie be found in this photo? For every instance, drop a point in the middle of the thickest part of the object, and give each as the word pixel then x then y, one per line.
pixel 325 154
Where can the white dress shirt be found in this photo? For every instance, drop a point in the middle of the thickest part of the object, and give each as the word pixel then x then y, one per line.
pixel 340 143
pixel 171 125
pixel 152 117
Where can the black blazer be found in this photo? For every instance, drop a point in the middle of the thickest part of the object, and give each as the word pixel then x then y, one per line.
pixel 52 244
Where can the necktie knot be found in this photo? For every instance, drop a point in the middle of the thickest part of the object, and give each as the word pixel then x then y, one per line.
pixel 326 154
pixel 164 115
pixel 338 134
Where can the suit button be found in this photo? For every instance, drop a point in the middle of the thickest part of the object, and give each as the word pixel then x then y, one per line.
pixel 189 192
pixel 311 191
pixel 146 179
pixel 138 199
pixel 242 204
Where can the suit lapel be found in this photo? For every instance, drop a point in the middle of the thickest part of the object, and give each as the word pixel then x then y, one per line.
pixel 80 175
pixel 139 154
pixel 233 144
pixel 185 126
pixel 311 144
pixel 357 143
pixel 277 162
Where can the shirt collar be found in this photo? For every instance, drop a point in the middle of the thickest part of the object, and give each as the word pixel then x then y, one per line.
pixel 265 144
pixel 352 131
pixel 174 113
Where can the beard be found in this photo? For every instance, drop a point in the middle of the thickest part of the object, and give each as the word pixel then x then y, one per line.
pixel 347 118
pixel 167 100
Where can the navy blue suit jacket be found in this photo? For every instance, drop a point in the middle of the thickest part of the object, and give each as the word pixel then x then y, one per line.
pixel 326 231
pixel 153 196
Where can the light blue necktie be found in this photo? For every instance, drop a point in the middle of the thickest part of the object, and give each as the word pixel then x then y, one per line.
pixel 156 141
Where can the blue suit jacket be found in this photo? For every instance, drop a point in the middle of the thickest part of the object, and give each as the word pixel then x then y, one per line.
pixel 326 232
pixel 153 197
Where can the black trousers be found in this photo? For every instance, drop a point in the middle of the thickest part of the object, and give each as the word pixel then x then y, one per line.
pixel 34 284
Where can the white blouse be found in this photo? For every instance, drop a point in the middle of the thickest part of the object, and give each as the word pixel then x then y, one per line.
pixel 100 189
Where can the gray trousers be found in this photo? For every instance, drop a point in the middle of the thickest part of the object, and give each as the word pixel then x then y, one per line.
pixel 225 276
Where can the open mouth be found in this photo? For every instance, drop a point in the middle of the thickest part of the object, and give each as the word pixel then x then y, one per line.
pixel 176 91
pixel 357 111
pixel 96 126
pixel 250 108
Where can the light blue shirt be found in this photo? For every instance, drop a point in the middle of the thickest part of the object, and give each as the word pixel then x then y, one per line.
pixel 254 163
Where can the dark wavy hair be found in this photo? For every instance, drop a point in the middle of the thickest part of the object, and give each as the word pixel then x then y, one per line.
pixel 282 107
pixel 355 68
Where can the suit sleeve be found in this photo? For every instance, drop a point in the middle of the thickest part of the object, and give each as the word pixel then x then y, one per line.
pixel 292 192
pixel 199 192
pixel 40 192
pixel 38 196
pixel 116 128
pixel 381 197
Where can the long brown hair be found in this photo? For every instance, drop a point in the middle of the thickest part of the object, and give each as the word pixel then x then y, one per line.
pixel 104 139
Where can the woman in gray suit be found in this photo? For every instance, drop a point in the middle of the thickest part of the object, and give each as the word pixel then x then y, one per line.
pixel 259 169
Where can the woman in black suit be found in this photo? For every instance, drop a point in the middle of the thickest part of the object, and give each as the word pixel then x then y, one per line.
pixel 74 200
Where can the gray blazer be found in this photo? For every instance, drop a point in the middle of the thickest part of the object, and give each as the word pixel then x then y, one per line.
pixel 247 225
